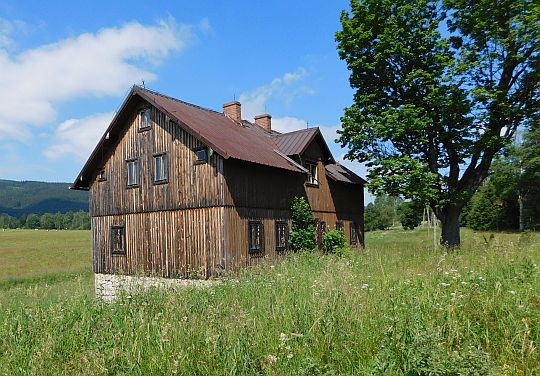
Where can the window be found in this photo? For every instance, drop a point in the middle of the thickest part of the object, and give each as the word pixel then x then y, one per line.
pixel 144 119
pixel 161 168
pixel 353 235
pixel 312 176
pixel 118 240
pixel 282 235
pixel 202 154
pixel 256 237
pixel 339 225
pixel 321 229
pixel 102 176
pixel 132 172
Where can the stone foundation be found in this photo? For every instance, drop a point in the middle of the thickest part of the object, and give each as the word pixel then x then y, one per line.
pixel 109 286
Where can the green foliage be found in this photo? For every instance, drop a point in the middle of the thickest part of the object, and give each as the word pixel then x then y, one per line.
pixel 302 236
pixel 334 241
pixel 398 308
pixel 22 198
pixel 485 210
pixel 381 214
pixel 410 214
pixel 432 109
pixel 48 221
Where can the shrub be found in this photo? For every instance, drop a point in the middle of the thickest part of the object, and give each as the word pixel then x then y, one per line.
pixel 334 241
pixel 410 214
pixel 302 235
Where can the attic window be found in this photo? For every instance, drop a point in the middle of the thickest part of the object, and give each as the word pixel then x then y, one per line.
pixel 201 154
pixel 144 119
pixel 102 176
pixel 313 178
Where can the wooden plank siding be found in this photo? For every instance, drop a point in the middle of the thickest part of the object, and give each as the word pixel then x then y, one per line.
pixel 196 224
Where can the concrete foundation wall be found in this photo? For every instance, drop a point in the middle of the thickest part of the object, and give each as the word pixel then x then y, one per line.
pixel 110 286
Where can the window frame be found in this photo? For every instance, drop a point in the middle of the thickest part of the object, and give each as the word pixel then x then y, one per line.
pixel 340 226
pixel 102 175
pixel 313 178
pixel 253 250
pixel 118 251
pixel 197 150
pixel 137 173
pixel 145 112
pixel 353 233
pixel 164 157
pixel 285 225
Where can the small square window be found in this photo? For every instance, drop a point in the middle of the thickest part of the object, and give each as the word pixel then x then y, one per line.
pixel 161 168
pixel 102 176
pixel 339 225
pixel 256 237
pixel 313 178
pixel 132 172
pixel 353 233
pixel 145 117
pixel 118 240
pixel 282 236
pixel 201 155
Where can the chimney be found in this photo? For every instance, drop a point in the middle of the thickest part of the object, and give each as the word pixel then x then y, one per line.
pixel 233 111
pixel 264 121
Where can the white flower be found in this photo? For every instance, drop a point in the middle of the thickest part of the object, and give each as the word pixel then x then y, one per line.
pixel 444 284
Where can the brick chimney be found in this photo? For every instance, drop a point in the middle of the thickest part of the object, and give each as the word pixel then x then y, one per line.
pixel 265 121
pixel 233 111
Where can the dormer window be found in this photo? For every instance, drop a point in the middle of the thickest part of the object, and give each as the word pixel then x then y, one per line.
pixel 144 119
pixel 201 154
pixel 313 178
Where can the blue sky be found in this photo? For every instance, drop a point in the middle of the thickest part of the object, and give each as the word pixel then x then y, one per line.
pixel 65 69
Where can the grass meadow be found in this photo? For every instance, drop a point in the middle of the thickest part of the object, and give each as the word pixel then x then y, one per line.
pixel 402 307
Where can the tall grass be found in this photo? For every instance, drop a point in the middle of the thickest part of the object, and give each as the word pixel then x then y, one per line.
pixel 401 307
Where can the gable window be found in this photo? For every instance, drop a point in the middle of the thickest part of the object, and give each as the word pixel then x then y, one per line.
pixel 132 172
pixel 256 237
pixel 118 240
pixel 339 225
pixel 353 234
pixel 144 119
pixel 201 154
pixel 282 235
pixel 102 176
pixel 313 178
pixel 321 229
pixel 161 168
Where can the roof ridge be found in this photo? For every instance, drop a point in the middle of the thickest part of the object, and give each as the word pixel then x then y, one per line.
pixel 179 100
pixel 296 131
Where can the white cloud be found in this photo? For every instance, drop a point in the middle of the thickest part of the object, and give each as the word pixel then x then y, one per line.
pixel 253 102
pixel 35 81
pixel 78 136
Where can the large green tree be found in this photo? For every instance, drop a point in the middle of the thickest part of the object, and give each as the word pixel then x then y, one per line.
pixel 440 88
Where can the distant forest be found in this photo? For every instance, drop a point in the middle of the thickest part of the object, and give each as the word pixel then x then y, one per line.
pixel 31 204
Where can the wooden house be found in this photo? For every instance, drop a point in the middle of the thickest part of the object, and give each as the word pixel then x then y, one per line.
pixel 180 191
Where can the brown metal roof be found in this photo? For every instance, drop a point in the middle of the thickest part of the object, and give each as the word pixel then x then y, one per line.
pixel 295 143
pixel 338 172
pixel 245 141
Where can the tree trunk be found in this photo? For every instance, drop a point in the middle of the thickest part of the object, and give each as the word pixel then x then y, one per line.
pixel 450 226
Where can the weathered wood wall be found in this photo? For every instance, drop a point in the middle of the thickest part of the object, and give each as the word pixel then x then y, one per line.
pixel 189 185
pixel 179 243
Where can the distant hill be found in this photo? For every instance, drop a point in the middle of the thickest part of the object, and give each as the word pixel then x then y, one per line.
pixel 21 198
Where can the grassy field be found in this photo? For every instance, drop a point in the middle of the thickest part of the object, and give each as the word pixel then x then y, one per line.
pixel 401 307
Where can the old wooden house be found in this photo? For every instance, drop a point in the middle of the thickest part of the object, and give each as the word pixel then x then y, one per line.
pixel 177 190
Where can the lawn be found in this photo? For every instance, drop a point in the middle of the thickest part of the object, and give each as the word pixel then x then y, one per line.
pixel 400 307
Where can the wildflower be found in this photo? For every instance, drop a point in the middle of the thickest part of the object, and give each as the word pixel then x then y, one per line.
pixel 289 355
pixel 271 359
pixel 283 337
pixel 512 292
pixel 365 286
pixel 463 282
pixel 444 284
